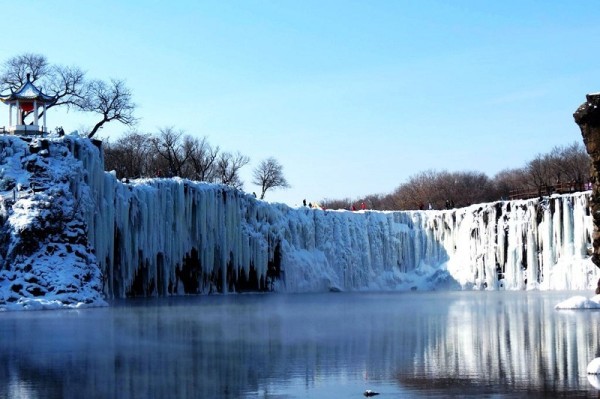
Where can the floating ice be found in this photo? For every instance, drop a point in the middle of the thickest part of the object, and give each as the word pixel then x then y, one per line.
pixel 594 366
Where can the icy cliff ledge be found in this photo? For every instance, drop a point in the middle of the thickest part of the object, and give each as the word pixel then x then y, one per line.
pixel 45 259
pixel 72 232
pixel 513 245
pixel 527 244
pixel 171 236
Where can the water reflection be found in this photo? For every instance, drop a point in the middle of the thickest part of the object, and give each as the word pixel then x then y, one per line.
pixel 297 346
pixel 511 343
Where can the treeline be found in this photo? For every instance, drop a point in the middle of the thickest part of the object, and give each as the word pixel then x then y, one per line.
pixel 562 169
pixel 170 153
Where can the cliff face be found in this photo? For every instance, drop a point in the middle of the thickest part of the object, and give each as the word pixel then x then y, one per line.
pixel 46 261
pixel 71 233
pixel 172 236
pixel 587 117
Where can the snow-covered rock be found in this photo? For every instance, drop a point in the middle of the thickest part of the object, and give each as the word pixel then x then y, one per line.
pixel 46 261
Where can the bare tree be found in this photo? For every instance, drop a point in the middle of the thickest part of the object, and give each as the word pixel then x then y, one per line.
pixel 437 190
pixel 169 149
pixel 201 163
pixel 542 172
pixel 507 181
pixel 564 168
pixel 228 168
pixel 269 175
pixel 112 101
pixel 65 84
pixel 470 187
pixel 169 153
pixel 344 203
pixel 15 70
pixel 115 159
pixel 130 156
pixel 568 167
pixel 419 191
pixel 68 87
pixel 573 164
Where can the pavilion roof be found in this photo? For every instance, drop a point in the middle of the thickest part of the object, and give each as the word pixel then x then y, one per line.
pixel 27 92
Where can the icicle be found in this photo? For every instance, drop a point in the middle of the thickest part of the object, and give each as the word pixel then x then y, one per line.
pixel 144 231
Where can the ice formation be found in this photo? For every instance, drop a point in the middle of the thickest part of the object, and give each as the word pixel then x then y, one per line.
pixel 173 236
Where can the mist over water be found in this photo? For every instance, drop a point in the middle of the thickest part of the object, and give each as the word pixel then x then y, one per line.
pixel 303 346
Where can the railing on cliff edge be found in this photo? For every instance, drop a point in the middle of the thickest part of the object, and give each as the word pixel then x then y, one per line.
pixel 558 188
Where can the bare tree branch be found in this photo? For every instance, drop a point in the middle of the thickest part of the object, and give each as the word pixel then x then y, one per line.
pixel 167 146
pixel 131 156
pixel 269 175
pixel 202 159
pixel 15 70
pixel 66 84
pixel 112 101
pixel 228 168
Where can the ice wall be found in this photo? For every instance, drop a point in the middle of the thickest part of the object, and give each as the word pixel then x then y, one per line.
pixel 172 236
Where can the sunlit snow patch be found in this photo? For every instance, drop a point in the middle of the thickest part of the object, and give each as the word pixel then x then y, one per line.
pixel 580 302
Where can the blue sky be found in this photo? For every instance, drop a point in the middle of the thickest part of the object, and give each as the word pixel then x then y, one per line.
pixel 352 97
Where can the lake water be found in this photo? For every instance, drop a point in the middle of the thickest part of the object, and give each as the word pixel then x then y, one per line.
pixel 336 345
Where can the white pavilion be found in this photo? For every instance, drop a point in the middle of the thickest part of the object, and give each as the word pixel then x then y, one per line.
pixel 28 98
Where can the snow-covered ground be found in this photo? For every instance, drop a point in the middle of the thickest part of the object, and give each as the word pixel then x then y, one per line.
pixel 173 236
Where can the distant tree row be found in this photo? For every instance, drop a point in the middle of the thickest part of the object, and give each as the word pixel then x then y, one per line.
pixel 563 169
pixel 171 153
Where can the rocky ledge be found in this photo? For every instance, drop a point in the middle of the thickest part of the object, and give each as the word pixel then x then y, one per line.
pixel 587 117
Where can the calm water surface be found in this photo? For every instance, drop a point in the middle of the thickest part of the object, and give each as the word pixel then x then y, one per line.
pixel 436 344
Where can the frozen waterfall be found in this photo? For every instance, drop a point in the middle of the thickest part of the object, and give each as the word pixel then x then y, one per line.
pixel 173 236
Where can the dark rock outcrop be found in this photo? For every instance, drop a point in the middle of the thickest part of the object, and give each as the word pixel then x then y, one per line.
pixel 587 117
